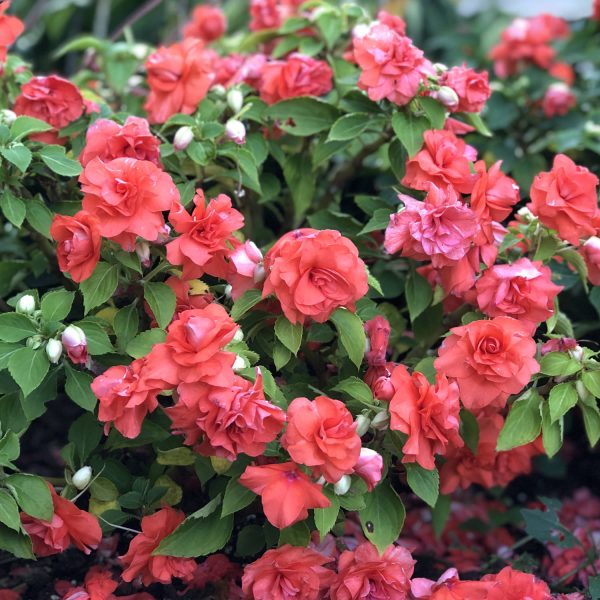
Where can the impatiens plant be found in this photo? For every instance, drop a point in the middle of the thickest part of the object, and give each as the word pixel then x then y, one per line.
pixel 275 304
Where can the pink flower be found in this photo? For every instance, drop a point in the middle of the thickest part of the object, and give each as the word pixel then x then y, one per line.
pixel 378 334
pixel 494 194
pixel 392 67
pixel 369 467
pixel 246 270
pixel 591 253
pixel 471 87
pixel 441 229
pixel 75 343
pixel 558 100
pixel 107 140
pixel 522 290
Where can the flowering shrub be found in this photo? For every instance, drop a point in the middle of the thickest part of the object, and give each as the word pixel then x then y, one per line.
pixel 279 305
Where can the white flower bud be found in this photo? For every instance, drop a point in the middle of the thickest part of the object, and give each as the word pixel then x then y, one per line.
pixel 440 68
pixel 259 273
pixel 218 90
pixel 526 214
pixel 239 364
pixel 447 96
pixel 82 477
pixel 592 128
pixel 235 131
pixel 239 336
pixel 367 345
pixel 381 421
pixel 34 342
pixel 228 290
pixel 235 100
pixel 26 305
pixel 140 51
pixel 183 138
pixel 142 249
pixel 7 117
pixel 343 485
pixel 321 480
pixel 54 350
pixel 362 425
pixel 576 353
pixel 73 336
pixel 361 30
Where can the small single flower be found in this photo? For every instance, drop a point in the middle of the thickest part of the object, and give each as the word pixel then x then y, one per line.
pixel 26 305
pixel 82 477
pixel 183 138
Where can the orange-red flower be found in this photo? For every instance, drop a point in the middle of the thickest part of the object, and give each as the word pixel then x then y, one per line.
pixel 139 560
pixel 566 199
pixel 490 360
pixel 494 193
pixel 427 414
pixel 286 492
pixel 314 272
pixel 78 243
pixel 208 23
pixel 287 572
pixel 510 584
pixel 322 435
pixel 179 77
pixel 10 29
pixel 69 526
pixel 226 422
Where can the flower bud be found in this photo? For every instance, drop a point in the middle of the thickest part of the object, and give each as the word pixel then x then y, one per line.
pixel 142 249
pixel 239 336
pixel 343 485
pixel 526 214
pixel 440 68
pixel 381 421
pixel 54 350
pixel 220 465
pixel 361 30
pixel 383 388
pixel 235 100
pixel 362 425
pixel 235 131
pixel 26 305
pixel 82 477
pixel 239 364
pixel 7 117
pixel 369 467
pixel 259 273
pixel 581 390
pixel 228 290
pixel 183 138
pixel 592 128
pixel 218 90
pixel 576 353
pixel 75 343
pixel 34 342
pixel 446 96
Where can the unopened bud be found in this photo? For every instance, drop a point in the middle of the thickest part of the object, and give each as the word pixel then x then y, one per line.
pixel 440 68
pixel 183 138
pixel 26 305
pixel 592 128
pixel 235 131
pixel 228 290
pixel 54 350
pixel 576 353
pixel 446 96
pixel 239 364
pixel 342 486
pixel 82 477
pixel 220 465
pixel 73 336
pixel 526 214
pixel 259 273
pixel 361 30
pixel 239 336
pixel 218 90
pixel 362 425
pixel 235 100
pixel 34 342
pixel 7 117
pixel 381 421
pixel 142 249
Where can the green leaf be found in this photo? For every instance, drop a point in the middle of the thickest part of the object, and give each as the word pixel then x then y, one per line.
pixel 181 457
pixel 330 24
pixel 435 112
pixel 383 516
pixel 594 587
pixel 10 449
pixel 281 355
pixel 197 537
pixel 545 525
pixel 469 430
pixel 355 388
pixel 559 364
pixel 563 397
pixel 378 222
pixel 440 514
pixel 308 115
pixel 24 126
pixel 16 543
pixel 55 158
pixel 288 334
pixel 17 154
pixel 236 497
pixel 246 163
pixel 78 388
pixel 32 495
pixel 9 511
pixel 250 541
pixel 410 130
pixel 300 178
pixel 85 434
pixel 28 367
pixel 244 303
pixel 100 286
pixel 477 122
pixel 126 324
pixel 142 344
pixel 15 327
pixel 424 483
pixel 349 127
pixel 98 342
pixel 162 301
pixel 419 294
pixel 591 381
pixel 6 351
pixel 547 248
pixel 295 535
pixel 325 518
pixel 523 424
pixel 14 208
pixel 351 331
pixel 591 420
pixel 578 263
pixel 56 305
pixel 552 432
pixel 39 216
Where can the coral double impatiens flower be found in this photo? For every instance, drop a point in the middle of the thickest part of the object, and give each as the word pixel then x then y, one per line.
pixel 489 360
pixel 10 29
pixel 226 422
pixel 286 492
pixel 322 435
pixel 313 272
pixel 427 414
pixel 140 560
